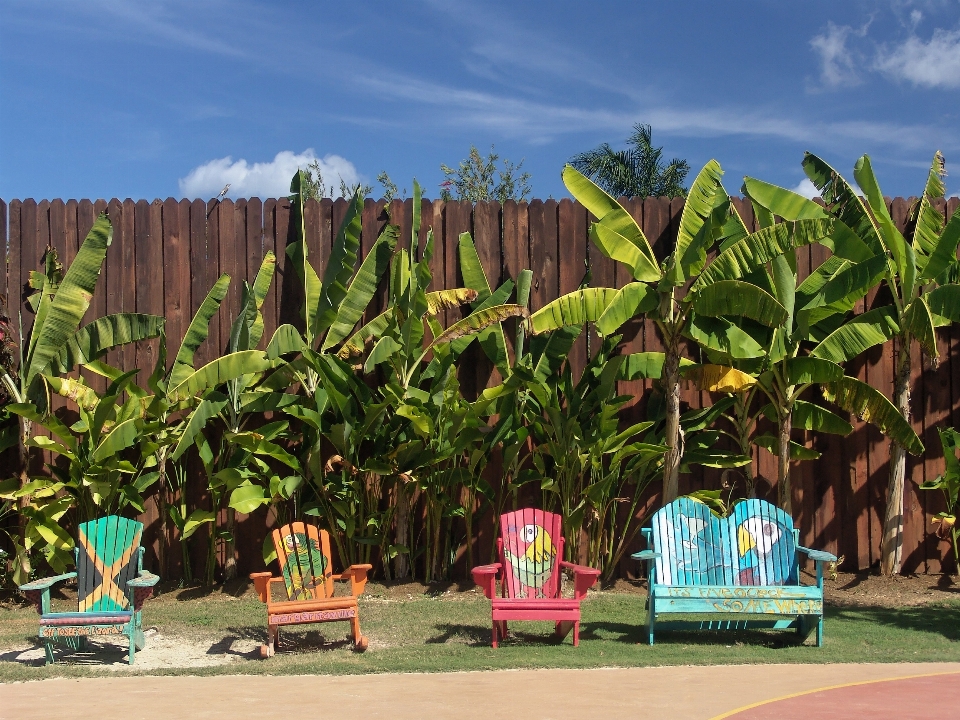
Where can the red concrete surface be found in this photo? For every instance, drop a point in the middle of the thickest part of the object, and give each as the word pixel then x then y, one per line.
pixel 924 697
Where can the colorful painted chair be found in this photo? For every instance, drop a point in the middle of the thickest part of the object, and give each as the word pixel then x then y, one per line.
pixel 111 588
pixel 530 548
pixel 303 552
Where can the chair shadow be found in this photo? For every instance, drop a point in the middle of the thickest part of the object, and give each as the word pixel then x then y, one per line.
pixel 94 654
pixel 480 635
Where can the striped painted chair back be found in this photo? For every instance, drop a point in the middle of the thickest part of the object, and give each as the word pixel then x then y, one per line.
pixel 531 547
pixel 755 545
pixel 108 556
pixel 303 552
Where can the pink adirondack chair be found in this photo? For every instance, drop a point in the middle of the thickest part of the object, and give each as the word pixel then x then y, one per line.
pixel 531 551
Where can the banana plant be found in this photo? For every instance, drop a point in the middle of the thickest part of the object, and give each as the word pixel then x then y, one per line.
pixel 57 343
pixel 713 309
pixel 918 275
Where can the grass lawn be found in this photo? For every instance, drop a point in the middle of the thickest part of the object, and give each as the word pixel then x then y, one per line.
pixel 450 631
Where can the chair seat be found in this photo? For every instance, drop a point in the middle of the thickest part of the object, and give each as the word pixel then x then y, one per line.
pixel 86 618
pixel 293 606
pixel 538 604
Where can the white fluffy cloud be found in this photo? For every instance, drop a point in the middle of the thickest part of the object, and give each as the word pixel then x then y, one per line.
pixel 265 179
pixel 931 64
pixel 836 61
pixel 807 189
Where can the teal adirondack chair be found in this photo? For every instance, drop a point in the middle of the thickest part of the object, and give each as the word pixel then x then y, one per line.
pixel 111 588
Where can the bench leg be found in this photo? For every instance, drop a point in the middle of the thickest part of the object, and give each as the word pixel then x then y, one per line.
pixel 651 619
pixel 48 651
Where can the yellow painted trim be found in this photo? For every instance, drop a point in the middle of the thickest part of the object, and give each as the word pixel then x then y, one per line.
pixel 731 713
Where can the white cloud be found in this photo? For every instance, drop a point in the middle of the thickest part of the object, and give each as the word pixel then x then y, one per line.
pixel 807 189
pixel 266 179
pixel 836 61
pixel 931 64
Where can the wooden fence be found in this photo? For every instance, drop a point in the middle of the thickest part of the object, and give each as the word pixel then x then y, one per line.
pixel 166 255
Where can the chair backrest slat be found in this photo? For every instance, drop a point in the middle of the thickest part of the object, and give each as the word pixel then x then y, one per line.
pixel 531 547
pixel 108 557
pixel 303 552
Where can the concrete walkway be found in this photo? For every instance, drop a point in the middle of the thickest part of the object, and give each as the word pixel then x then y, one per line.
pixel 662 692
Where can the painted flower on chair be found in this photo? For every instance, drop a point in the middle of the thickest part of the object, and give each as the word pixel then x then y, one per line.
pixel 535 566
pixel 305 566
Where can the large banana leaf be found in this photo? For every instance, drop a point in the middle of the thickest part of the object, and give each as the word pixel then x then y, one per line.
pixel 221 370
pixel 121 436
pixel 208 408
pixel 550 351
pixel 858 334
pixel 590 195
pixel 809 370
pixel 809 416
pixel 945 302
pixel 50 421
pixel 340 266
pixel 476 321
pixel 297 252
pixel 721 335
pixel 735 297
pixel 576 308
pixel 780 201
pixel 617 236
pixel 73 298
pixel 945 253
pixel 797 451
pixel 363 286
pixel 373 329
pixel 850 284
pixel 759 248
pixel 891 237
pixel 646 366
pixel 917 319
pixel 75 390
pixel 719 378
pixel 843 202
pixel 454 298
pixel 95 339
pixel 286 339
pixel 631 300
pixel 470 267
pixel 872 406
pixel 929 220
pixel 198 330
pixel 492 340
pixel 693 236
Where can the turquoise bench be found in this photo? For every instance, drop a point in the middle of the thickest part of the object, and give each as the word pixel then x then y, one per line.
pixel 744 567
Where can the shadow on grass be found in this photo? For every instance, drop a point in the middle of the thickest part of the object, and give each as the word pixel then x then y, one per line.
pixel 940 619
pixel 480 636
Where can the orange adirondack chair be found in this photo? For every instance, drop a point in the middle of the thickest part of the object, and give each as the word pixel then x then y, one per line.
pixel 530 548
pixel 303 552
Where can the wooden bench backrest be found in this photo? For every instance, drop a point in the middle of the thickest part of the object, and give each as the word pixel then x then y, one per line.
pixel 303 552
pixel 108 556
pixel 531 547
pixel 755 545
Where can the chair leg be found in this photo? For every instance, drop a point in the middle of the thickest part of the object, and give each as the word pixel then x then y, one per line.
pixel 564 627
pixel 360 643
pixel 268 650
pixel 576 633
pixel 496 627
pixel 503 630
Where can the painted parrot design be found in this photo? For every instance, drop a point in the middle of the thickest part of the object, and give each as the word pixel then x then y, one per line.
pixel 535 566
pixel 305 566
pixel 757 545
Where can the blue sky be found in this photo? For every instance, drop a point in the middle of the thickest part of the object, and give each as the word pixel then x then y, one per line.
pixel 106 98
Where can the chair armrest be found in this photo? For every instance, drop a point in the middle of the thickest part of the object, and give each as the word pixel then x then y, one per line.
pixel 357 575
pixel 144 579
pixel 261 582
pixel 486 577
pixel 142 587
pixel 583 578
pixel 817 555
pixel 46 583
pixel 38 591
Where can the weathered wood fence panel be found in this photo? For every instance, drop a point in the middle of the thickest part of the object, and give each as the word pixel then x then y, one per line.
pixel 167 254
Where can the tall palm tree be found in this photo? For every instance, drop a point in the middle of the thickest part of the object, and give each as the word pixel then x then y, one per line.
pixel 635 172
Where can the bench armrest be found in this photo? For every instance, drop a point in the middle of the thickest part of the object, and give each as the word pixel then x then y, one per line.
pixel 583 578
pixel 357 575
pixel 38 591
pixel 261 583
pixel 486 577
pixel 646 555
pixel 817 555
pixel 142 587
